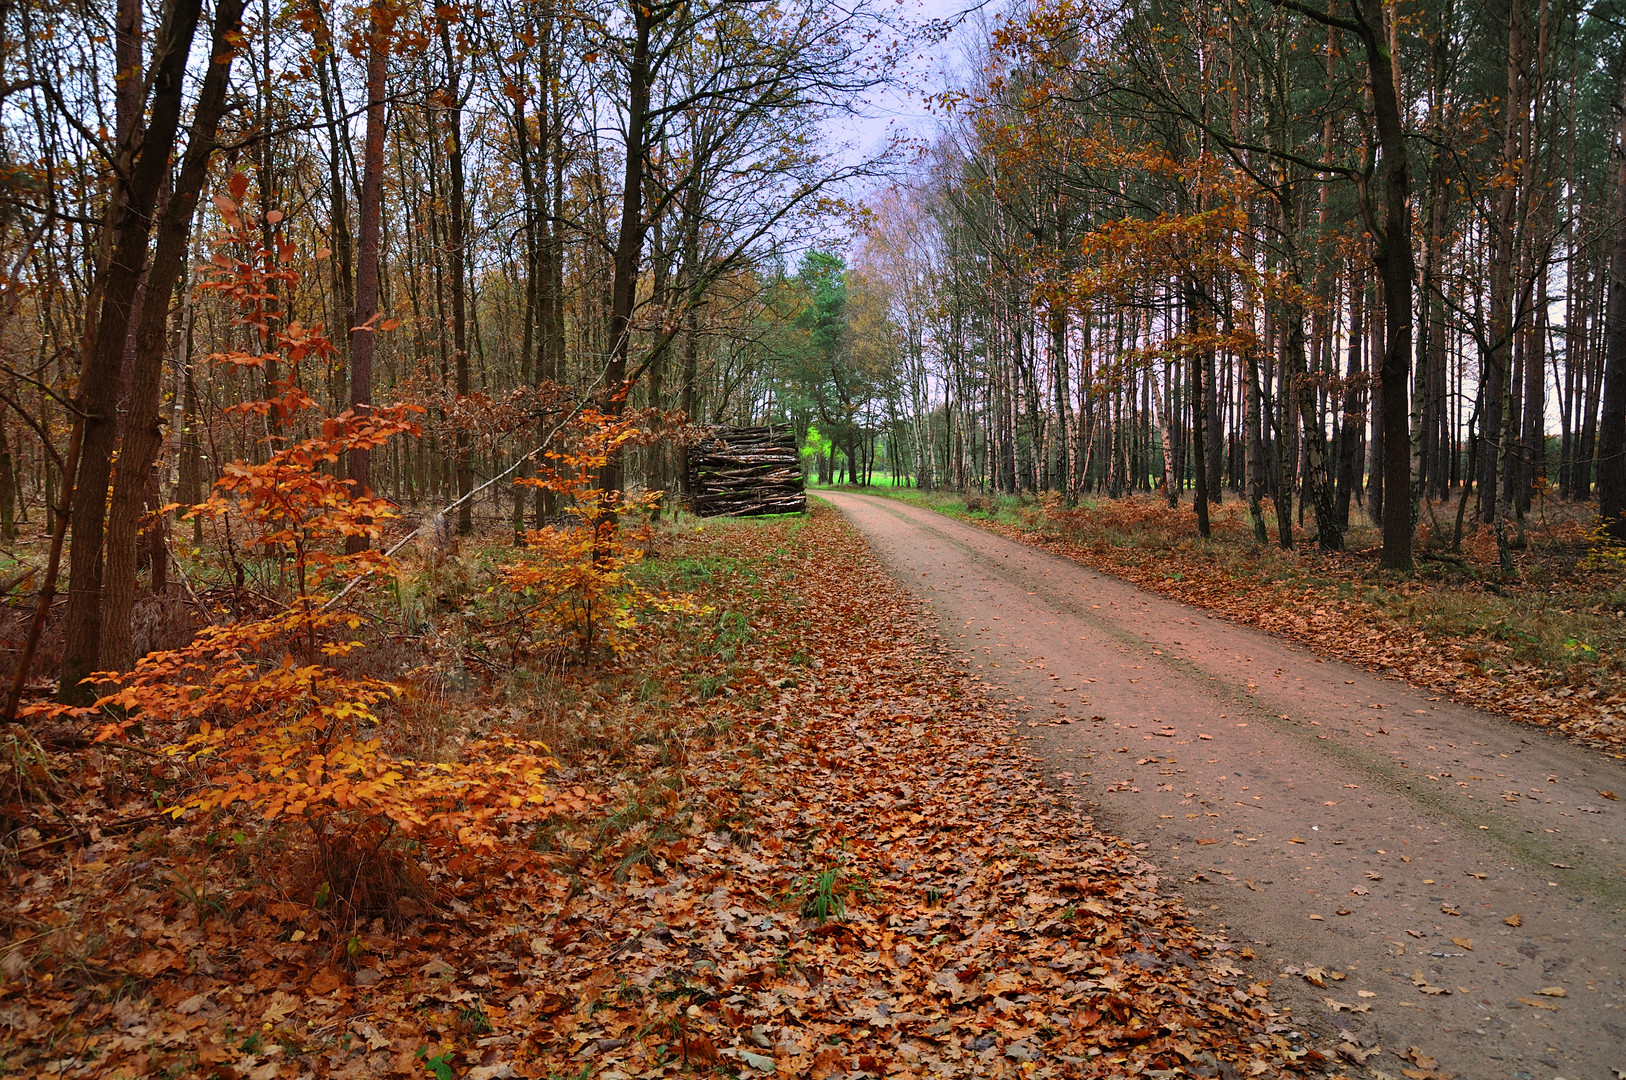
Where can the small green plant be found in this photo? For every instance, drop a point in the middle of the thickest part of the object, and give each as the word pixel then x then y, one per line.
pixel 439 1066
pixel 733 631
pixel 587 1071
pixel 707 686
pixel 646 850
pixel 1575 645
pixel 473 1021
pixel 202 900
pixel 819 897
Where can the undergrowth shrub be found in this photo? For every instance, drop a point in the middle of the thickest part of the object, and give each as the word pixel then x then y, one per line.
pixel 573 590
pixel 1148 521
pixel 268 720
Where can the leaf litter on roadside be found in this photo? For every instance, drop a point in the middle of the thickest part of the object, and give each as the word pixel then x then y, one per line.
pixel 1473 668
pixel 824 854
pixel 985 928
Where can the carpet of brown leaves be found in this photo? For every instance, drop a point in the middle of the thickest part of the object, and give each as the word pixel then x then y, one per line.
pixel 814 755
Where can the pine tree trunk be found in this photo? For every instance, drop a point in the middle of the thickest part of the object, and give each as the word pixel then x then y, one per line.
pixel 1612 423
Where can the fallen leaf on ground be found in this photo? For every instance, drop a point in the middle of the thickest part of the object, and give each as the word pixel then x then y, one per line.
pixel 1418 980
pixel 1356 1053
pixel 1416 1056
pixel 668 905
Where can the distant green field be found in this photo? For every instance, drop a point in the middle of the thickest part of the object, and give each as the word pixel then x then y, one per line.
pixel 877 479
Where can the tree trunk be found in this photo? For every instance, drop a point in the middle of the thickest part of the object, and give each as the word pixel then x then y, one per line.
pixel 1200 363
pixel 1534 436
pixel 1286 427
pixel 1398 266
pixel 1389 217
pixel 8 491
pixel 141 166
pixel 1214 430
pixel 344 282
pixel 1254 449
pixel 1612 423
pixel 457 274
pixel 1058 362
pixel 1349 429
pixel 1503 323
pixel 370 206
pixel 628 252
pixel 1301 392
pixel 144 435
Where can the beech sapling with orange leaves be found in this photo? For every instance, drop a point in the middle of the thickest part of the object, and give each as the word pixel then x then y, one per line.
pixel 575 589
pixel 271 724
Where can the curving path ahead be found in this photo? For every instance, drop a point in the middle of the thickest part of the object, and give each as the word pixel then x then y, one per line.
pixel 1461 872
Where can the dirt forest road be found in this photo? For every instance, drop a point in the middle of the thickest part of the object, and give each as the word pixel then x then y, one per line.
pixel 1409 871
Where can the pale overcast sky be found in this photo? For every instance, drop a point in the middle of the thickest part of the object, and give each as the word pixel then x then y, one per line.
pixel 899 108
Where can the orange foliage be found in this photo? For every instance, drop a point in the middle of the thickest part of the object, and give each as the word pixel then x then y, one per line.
pixel 272 723
pixel 575 587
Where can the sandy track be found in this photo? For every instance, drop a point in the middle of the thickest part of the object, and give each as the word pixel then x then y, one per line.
pixel 1334 818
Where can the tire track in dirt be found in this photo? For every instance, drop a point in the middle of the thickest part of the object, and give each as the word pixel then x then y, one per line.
pixel 1451 865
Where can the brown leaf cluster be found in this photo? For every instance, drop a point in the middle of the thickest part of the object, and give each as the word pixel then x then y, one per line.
pixel 830 761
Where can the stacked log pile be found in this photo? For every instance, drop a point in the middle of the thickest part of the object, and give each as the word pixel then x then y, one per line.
pixel 745 471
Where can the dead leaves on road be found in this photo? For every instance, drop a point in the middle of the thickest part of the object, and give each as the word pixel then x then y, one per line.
pixel 1419 980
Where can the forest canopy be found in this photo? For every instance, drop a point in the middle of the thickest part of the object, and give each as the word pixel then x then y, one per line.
pixel 1314 254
